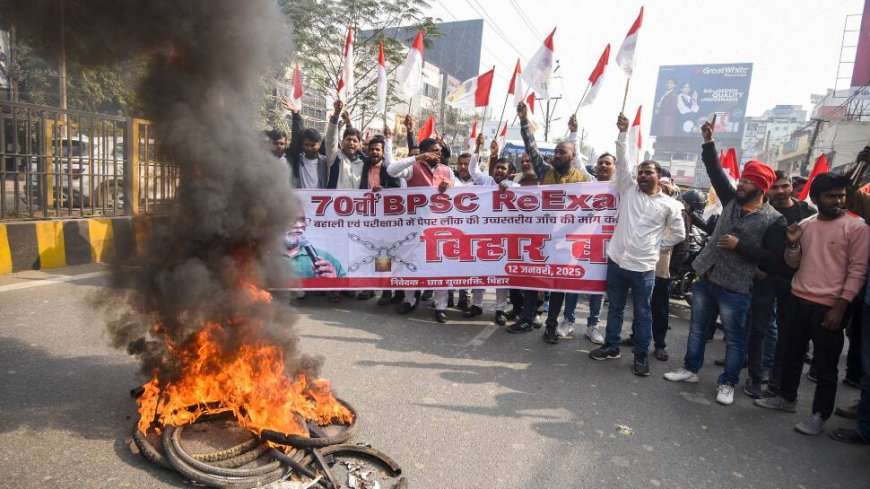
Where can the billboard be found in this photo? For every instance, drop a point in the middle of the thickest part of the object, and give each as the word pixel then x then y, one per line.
pixel 861 70
pixel 687 95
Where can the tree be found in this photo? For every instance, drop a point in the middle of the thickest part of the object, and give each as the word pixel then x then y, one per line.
pixel 105 88
pixel 320 27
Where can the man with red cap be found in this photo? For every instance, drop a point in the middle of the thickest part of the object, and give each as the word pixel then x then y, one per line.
pixel 749 232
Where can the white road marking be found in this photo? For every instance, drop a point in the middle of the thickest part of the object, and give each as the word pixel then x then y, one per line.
pixel 51 281
pixel 483 335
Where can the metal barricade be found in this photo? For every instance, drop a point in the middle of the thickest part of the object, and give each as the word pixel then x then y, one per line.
pixel 66 163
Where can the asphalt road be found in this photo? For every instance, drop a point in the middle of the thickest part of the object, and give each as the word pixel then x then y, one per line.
pixel 461 405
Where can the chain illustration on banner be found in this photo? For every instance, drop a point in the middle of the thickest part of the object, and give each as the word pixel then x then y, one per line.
pixel 383 256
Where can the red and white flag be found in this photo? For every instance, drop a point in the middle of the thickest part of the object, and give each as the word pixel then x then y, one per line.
pixel 539 70
pixel 596 78
pixel 426 131
pixel 635 140
pixel 516 86
pixel 625 56
pixel 409 78
pixel 345 80
pixel 472 93
pixel 820 167
pixel 296 94
pixel 382 80
pixel 472 138
pixel 502 136
pixel 530 103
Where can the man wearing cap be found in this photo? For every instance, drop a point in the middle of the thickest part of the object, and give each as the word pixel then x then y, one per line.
pixel 749 231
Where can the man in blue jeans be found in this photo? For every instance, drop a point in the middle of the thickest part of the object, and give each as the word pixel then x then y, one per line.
pixel 749 231
pixel 644 214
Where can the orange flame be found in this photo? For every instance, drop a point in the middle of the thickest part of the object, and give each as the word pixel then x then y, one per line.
pixel 218 375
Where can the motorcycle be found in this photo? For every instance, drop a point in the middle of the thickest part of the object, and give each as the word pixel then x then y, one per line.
pixel 683 275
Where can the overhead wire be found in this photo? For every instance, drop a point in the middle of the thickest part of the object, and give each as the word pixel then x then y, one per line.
pixel 525 18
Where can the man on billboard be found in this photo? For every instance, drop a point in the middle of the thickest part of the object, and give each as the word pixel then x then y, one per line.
pixel 304 259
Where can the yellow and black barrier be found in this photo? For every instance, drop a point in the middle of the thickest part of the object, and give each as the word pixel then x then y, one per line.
pixel 38 245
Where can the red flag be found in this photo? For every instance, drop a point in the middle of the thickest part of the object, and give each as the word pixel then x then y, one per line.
pixel 516 86
pixel 821 167
pixel 472 138
pixel 530 101
pixel 729 164
pixel 502 136
pixel 382 80
pixel 484 86
pixel 427 129
pixel 296 96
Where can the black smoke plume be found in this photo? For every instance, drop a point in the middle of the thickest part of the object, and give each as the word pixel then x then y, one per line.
pixel 233 202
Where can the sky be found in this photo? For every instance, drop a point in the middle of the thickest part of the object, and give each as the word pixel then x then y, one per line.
pixel 794 46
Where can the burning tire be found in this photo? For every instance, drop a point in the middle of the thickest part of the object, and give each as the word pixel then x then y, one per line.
pixel 321 436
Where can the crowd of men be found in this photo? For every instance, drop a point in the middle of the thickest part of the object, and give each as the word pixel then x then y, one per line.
pixel 777 274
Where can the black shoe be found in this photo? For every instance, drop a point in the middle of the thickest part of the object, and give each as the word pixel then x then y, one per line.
pixel 386 297
pixel 537 322
pixel 348 293
pixel 426 295
pixel 852 383
pixel 521 326
pixel 472 311
pixel 398 297
pixel 463 303
pixel 640 366
pixel 661 354
pixel 847 435
pixel 365 295
pixel 550 335
pixel 500 318
pixel 811 376
pixel 404 308
pixel 441 316
pixel 513 313
pixel 753 389
pixel 605 353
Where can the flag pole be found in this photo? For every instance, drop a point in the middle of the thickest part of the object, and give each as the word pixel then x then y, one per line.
pixel 524 101
pixel 501 117
pixel 625 97
pixel 588 85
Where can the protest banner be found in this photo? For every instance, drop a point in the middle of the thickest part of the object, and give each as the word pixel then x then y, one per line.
pixel 546 238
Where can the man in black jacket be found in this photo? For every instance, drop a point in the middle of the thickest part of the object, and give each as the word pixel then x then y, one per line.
pixel 770 290
pixel 749 232
pixel 308 168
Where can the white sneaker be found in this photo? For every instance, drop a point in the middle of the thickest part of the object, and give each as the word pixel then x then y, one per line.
pixel 565 329
pixel 594 335
pixel 682 375
pixel 814 425
pixel 725 395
